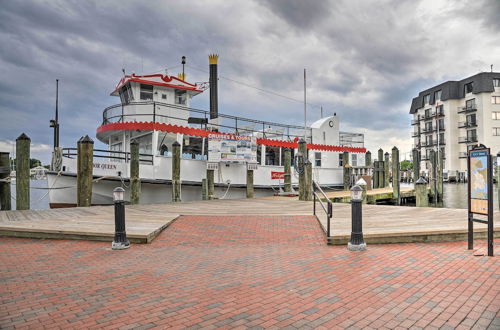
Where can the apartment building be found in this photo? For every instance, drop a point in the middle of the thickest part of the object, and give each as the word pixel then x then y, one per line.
pixel 454 117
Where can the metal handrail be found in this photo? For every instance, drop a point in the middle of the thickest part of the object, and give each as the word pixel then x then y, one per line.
pixel 328 208
pixel 145 158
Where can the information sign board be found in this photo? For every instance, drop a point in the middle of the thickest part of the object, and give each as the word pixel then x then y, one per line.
pixel 232 148
pixel 479 180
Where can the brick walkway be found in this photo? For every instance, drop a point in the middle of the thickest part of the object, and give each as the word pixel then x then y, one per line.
pixel 206 272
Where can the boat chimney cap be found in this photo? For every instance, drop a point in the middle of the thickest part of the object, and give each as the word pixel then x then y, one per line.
pixel 213 58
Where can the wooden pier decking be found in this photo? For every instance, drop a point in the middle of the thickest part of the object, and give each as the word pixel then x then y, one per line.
pixel 381 224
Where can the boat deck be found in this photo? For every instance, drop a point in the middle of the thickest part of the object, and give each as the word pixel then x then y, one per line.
pixel 381 224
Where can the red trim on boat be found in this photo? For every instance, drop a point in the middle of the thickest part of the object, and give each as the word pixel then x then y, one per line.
pixel 167 82
pixel 149 126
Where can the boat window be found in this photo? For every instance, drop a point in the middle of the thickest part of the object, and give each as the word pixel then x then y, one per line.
pixel 192 147
pixel 354 159
pixel 115 147
pixel 180 96
pixel 146 92
pixel 165 141
pixel 145 143
pixel 124 95
pixel 272 155
pixel 317 159
pixel 163 96
pixel 259 153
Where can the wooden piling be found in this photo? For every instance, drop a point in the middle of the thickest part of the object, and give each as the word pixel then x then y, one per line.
pixel 5 199
pixel 346 170
pixel 498 178
pixel 302 150
pixel 387 166
pixel 84 171
pixel 176 172
pixel 422 200
pixel 416 164
pixel 210 184
pixel 432 174
pixel 381 174
pixel 368 158
pixel 250 190
pixel 135 181
pixel 23 172
pixel 308 181
pixel 439 176
pixel 375 174
pixel 396 176
pixel 288 170
pixel 204 189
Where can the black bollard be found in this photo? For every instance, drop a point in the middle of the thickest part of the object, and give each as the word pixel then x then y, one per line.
pixel 120 242
pixel 357 242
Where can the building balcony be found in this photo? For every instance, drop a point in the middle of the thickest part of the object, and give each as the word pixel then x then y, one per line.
pixel 467 139
pixel 462 155
pixel 415 134
pixel 465 124
pixel 415 121
pixel 467 109
pixel 441 142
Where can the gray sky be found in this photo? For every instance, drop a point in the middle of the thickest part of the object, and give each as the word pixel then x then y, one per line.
pixel 365 60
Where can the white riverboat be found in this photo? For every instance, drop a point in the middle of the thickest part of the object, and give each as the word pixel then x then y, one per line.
pixel 155 111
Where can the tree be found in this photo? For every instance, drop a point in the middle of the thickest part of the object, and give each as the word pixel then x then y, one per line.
pixel 406 165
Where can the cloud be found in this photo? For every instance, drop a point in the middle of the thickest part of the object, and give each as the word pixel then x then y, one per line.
pixel 37 150
pixel 365 60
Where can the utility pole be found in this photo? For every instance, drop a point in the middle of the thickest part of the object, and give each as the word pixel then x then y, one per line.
pixel 54 123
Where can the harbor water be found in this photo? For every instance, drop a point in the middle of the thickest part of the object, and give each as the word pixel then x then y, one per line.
pixel 455 195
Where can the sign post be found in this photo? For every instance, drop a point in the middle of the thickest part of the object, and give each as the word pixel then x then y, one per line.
pixel 480 192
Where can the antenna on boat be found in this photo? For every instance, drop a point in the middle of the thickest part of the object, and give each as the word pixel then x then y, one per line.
pixel 123 70
pixel 54 123
pixel 305 106
pixel 321 111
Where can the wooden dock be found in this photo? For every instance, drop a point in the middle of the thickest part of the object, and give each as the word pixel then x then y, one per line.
pixel 381 224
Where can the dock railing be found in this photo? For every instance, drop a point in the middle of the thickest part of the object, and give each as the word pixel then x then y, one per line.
pixel 328 207
pixel 111 155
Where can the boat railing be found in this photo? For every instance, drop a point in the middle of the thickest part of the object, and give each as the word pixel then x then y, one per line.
pixel 109 154
pixel 328 207
pixel 149 111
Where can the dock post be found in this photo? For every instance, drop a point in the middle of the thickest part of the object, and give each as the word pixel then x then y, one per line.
pixel 439 177
pixel 416 164
pixel 210 184
pixel 250 190
pixel 5 199
pixel 347 168
pixel 23 172
pixel 387 165
pixel 204 189
pixel 381 172
pixel 375 174
pixel 288 170
pixel 368 158
pixel 422 200
pixel 84 171
pixel 395 176
pixel 135 181
pixel 432 174
pixel 176 172
pixel 308 181
pixel 301 159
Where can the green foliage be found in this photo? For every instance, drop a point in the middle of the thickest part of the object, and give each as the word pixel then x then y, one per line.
pixel 33 162
pixel 406 165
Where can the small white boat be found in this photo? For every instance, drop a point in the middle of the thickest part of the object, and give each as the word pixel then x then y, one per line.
pixel 154 110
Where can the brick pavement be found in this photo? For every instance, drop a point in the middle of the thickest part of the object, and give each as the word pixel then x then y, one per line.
pixel 241 272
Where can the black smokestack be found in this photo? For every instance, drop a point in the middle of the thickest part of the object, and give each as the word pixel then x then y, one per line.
pixel 214 108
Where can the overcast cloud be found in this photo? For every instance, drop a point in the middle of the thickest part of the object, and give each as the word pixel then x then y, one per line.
pixel 365 60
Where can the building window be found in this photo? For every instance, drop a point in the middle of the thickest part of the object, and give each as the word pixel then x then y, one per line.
pixel 440 110
pixel 427 98
pixel 441 124
pixel 146 92
pixel 441 138
pixel 437 95
pixel 180 97
pixel 471 119
pixel 495 99
pixel 468 88
pixel 496 82
pixel 470 104
pixel 495 115
pixel 471 135
pixel 496 131
pixel 428 126
pixel 317 159
pixel 427 113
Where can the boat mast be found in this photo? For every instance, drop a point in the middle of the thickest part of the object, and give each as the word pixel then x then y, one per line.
pixel 54 123
pixel 305 106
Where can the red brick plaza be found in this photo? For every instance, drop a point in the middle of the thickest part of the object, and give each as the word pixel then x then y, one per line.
pixel 243 272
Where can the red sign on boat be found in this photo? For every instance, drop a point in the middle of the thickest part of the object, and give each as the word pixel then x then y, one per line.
pixel 277 175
